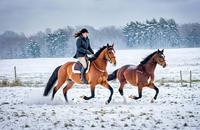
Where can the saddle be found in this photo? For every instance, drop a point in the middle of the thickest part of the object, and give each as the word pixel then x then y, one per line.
pixel 76 67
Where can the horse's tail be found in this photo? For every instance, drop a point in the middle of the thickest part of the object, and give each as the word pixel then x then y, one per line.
pixel 113 75
pixel 51 81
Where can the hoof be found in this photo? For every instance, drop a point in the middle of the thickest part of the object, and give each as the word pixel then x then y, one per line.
pixel 152 100
pixel 132 97
pixel 82 96
pixel 107 102
pixel 66 101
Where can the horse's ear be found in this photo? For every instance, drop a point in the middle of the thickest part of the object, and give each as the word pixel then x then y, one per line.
pixel 107 45
pixel 113 44
pixel 158 50
pixel 162 50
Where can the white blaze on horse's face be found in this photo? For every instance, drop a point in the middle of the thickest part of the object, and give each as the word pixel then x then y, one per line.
pixel 161 58
pixel 110 55
pixel 114 62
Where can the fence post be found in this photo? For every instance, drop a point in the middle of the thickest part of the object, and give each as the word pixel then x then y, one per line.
pixel 181 78
pixel 15 73
pixel 190 78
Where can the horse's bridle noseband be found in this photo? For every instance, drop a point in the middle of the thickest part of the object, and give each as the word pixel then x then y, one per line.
pixel 108 57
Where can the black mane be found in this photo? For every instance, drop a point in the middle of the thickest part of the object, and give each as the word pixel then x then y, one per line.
pixel 145 60
pixel 97 53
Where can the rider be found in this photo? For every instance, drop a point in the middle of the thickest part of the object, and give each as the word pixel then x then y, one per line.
pixel 83 48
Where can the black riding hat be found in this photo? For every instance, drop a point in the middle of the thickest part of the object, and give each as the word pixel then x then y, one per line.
pixel 84 30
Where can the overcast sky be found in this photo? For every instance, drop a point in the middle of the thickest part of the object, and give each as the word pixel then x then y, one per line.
pixel 30 16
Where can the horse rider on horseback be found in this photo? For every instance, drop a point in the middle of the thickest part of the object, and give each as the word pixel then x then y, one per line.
pixel 82 49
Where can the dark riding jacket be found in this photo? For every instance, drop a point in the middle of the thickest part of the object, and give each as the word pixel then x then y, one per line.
pixel 83 47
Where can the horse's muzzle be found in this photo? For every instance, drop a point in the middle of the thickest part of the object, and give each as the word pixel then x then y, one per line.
pixel 114 62
pixel 164 65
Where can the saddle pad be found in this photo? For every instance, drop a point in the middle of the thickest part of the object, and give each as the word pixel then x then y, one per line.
pixel 76 67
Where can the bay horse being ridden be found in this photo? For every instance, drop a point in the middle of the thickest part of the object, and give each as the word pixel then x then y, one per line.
pixel 97 74
pixel 141 75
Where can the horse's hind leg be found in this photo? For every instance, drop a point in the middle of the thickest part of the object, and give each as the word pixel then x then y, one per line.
pixel 61 81
pixel 66 88
pixel 121 90
pixel 139 94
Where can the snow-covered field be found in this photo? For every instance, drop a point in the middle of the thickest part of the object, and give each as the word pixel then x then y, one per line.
pixel 176 107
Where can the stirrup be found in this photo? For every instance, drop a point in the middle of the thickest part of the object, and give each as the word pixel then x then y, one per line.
pixel 84 81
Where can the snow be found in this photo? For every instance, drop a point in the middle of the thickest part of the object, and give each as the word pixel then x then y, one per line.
pixel 175 108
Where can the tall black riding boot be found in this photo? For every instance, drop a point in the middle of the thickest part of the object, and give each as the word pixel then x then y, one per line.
pixel 83 78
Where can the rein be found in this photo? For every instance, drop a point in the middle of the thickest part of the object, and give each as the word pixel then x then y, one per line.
pixel 98 68
pixel 105 59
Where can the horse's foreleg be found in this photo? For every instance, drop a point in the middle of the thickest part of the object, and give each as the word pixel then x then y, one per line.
pixel 152 86
pixel 105 84
pixel 157 91
pixel 92 88
pixel 66 88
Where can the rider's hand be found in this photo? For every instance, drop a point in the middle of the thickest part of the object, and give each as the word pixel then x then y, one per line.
pixel 88 52
pixel 91 55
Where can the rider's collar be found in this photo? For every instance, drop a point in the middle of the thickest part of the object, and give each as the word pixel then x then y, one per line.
pixel 83 37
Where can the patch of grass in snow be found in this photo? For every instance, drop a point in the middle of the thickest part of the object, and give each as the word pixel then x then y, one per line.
pixel 7 83
pixel 164 81
pixel 102 126
pixel 26 126
pixel 4 83
pixel 33 84
pixel 93 125
pixel 18 82
pixel 68 125
pixel 196 81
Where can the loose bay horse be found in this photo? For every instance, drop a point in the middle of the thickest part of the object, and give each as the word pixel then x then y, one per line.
pixel 141 75
pixel 97 74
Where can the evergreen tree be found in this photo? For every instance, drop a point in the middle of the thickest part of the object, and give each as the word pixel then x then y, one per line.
pixel 57 42
pixel 152 34
pixel 33 49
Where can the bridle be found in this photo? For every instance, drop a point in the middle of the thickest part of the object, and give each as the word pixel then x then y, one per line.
pixel 108 58
pixel 161 61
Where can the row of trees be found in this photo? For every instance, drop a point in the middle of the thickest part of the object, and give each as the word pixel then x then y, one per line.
pixel 153 33
pixel 58 43
pixel 190 35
